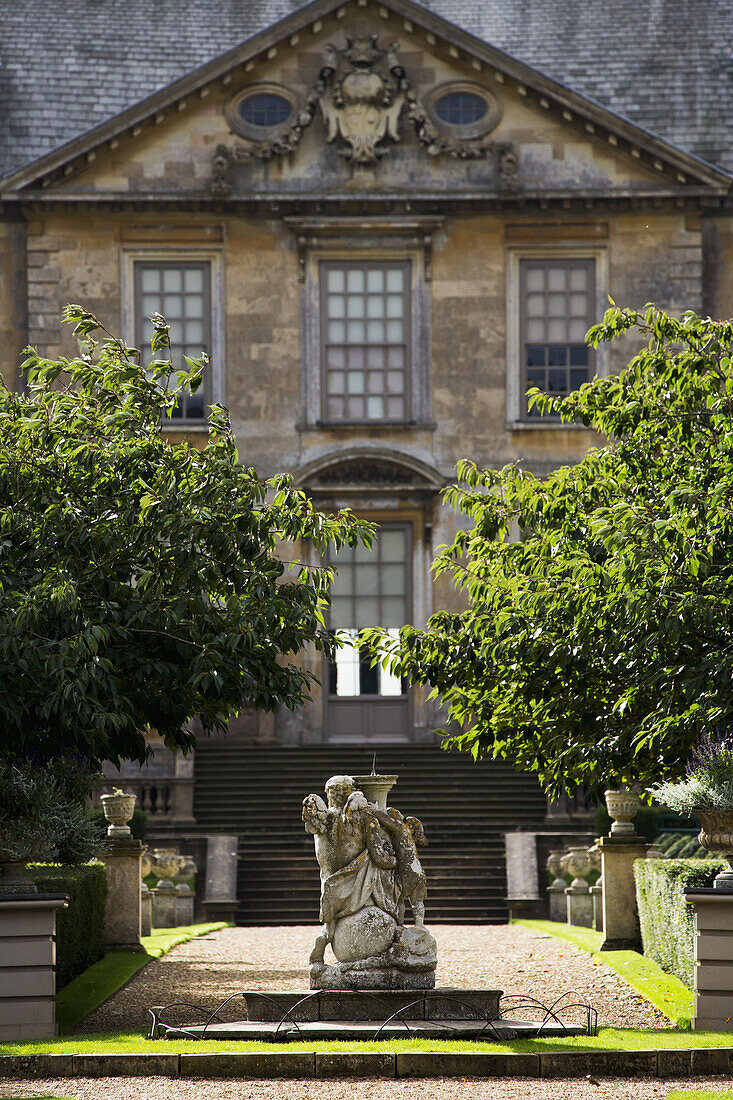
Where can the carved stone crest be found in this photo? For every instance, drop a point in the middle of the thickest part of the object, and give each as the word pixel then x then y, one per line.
pixel 363 99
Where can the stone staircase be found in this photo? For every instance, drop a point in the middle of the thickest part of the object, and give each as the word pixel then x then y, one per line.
pixel 256 791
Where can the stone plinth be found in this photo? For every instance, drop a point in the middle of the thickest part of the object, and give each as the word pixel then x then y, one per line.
pixel 408 964
pixel 713 916
pixel 27 962
pixel 184 904
pixel 165 898
pixel 558 904
pixel 579 906
pixel 620 912
pixel 122 917
pixel 220 896
pixel 597 896
pixel 146 910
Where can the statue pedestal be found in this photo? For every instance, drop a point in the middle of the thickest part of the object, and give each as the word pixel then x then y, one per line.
pixel 408 964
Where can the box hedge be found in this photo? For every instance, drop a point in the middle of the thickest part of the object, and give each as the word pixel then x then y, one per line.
pixel 667 931
pixel 80 927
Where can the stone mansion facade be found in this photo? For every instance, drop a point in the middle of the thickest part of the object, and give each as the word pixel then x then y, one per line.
pixel 384 220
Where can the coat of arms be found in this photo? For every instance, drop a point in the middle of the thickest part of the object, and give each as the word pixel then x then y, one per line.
pixel 363 97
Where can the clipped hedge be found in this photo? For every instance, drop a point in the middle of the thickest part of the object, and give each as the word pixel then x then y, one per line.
pixel 667 931
pixel 80 927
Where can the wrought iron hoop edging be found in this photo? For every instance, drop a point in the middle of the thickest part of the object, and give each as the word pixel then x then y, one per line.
pixel 488 1022
pixel 158 1023
pixel 525 1000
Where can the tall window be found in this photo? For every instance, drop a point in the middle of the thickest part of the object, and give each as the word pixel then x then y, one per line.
pixel 365 341
pixel 557 309
pixel 372 588
pixel 181 292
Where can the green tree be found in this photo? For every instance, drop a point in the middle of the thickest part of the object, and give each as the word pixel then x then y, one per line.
pixel 599 647
pixel 142 584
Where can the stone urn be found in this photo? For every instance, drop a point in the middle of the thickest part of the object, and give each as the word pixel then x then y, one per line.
pixel 118 809
pixel 375 788
pixel 166 863
pixel 716 835
pixel 14 879
pixel 622 807
pixel 554 866
pixel 186 869
pixel 146 863
pixel 577 862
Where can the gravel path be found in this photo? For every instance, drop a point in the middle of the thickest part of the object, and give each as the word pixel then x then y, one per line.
pixel 507 957
pixel 518 1088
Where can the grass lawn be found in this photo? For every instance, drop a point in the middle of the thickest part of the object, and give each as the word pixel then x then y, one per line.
pixel 92 988
pixel 665 992
pixel 608 1038
pixel 698 1094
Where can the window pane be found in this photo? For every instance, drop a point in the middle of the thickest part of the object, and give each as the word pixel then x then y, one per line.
pixel 336 383
pixel 375 332
pixel 341 615
pixel 336 357
pixel 579 305
pixel 336 331
pixel 395 408
pixel 193 280
pixel 393 580
pixel 579 278
pixel 395 331
pixel 578 378
pixel 172 279
pixel 556 305
pixel 176 331
pixel 375 305
pixel 375 357
pixel 392 545
pixel 556 331
pixel 535 305
pixel 536 355
pixel 150 279
pixel 336 408
pixel 355 332
pixel 336 281
pixel 375 281
pixel 396 357
pixel 395 381
pixel 343 581
pixel 336 305
pixel 535 330
pixel 395 305
pixel 577 330
pixel 395 279
pixel 375 408
pixel 194 332
pixel 395 612
pixel 557 380
pixel 355 408
pixel 355 307
pixel 367 611
pixel 367 580
pixel 355 281
pixel 375 382
pixel 355 382
pixel 578 355
pixel 557 355
pixel 172 304
pixel 556 278
pixel 535 278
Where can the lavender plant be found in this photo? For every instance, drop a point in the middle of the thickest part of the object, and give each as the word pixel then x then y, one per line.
pixel 708 782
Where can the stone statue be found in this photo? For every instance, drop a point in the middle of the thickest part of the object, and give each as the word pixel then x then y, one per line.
pixel 370 869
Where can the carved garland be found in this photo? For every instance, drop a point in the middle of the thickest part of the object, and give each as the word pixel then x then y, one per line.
pixel 361 91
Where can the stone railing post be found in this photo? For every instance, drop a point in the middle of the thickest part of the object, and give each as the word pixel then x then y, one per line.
pixel 619 850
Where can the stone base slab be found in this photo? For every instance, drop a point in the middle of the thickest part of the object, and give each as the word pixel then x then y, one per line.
pixel 368 1030
pixel 327 1004
pixel 667 1063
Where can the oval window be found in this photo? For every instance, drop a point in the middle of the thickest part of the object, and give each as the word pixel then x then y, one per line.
pixel 265 109
pixel 461 108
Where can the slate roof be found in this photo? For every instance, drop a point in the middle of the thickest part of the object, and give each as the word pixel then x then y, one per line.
pixel 69 65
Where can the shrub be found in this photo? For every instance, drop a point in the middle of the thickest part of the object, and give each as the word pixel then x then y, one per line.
pixel 80 927
pixel 667 930
pixel 41 811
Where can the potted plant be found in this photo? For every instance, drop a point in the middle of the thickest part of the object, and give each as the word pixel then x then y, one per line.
pixel 707 792
pixel 42 818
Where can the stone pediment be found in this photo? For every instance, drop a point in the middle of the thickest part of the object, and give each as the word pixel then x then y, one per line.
pixel 365 470
pixel 364 82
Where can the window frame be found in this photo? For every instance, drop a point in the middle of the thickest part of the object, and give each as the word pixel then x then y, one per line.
pixel 517 418
pixel 157 254
pixel 380 264
pixel 311 376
